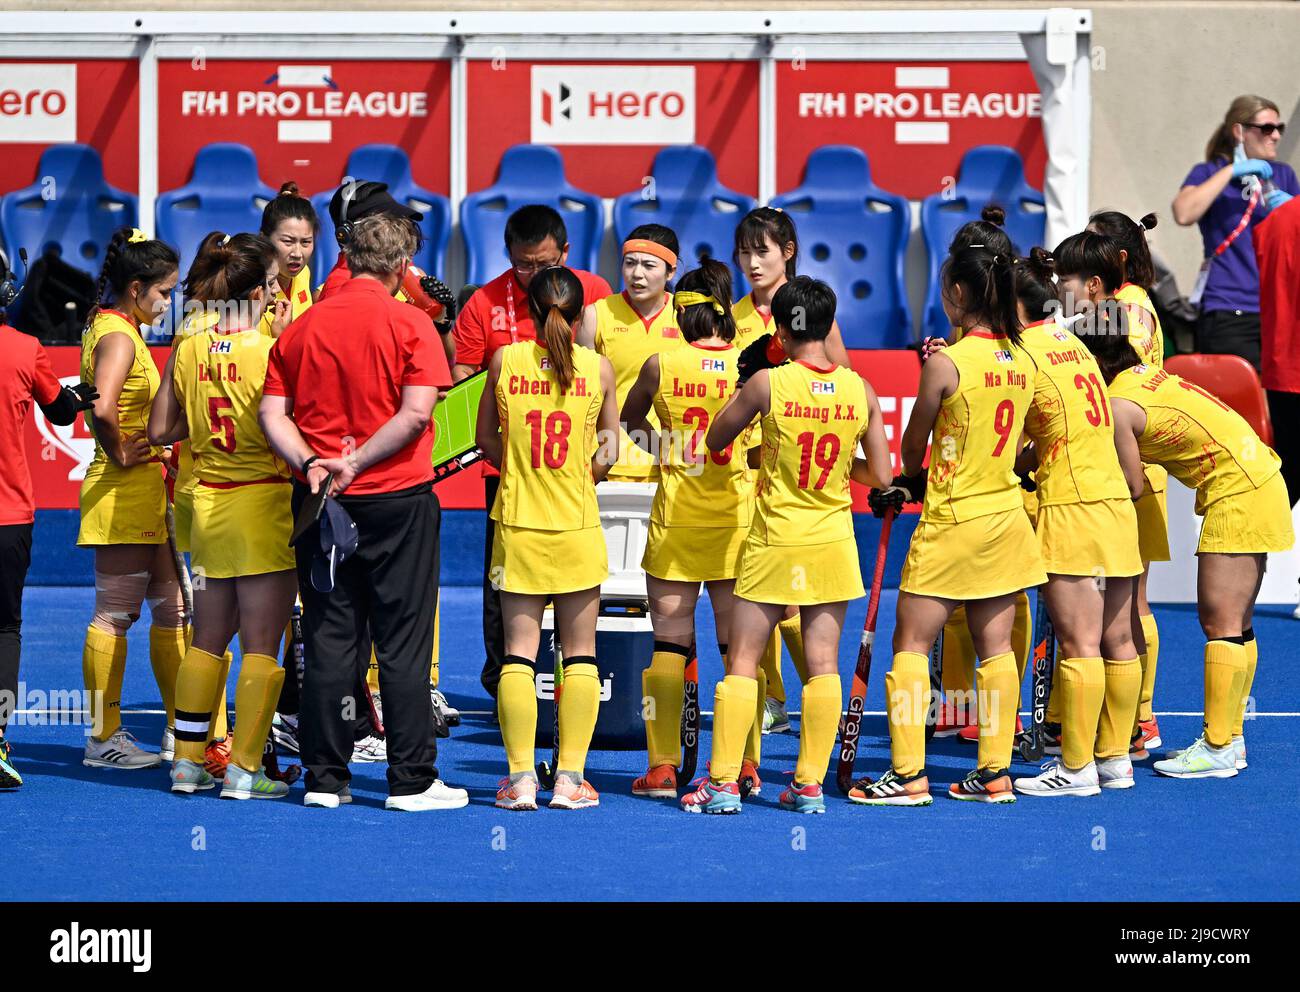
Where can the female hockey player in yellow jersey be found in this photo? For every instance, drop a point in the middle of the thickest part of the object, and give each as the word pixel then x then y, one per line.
pixel 800 550
pixel 1148 341
pixel 974 543
pixel 1087 532
pixel 289 223
pixel 1163 419
pixel 548 420
pixel 628 327
pixel 701 510
pixel 239 536
pixel 123 500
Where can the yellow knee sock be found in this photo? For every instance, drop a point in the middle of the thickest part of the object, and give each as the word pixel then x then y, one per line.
pixel 198 681
pixel 1225 672
pixel 792 634
pixel 754 741
pixel 372 671
pixel 219 728
pixel 517 710
pixel 256 693
pixel 166 649
pixel 735 700
pixel 437 646
pixel 958 654
pixel 1148 658
pixel 1252 661
pixel 579 705
pixel 995 681
pixel 1083 689
pixel 662 685
pixel 907 700
pixel 769 666
pixel 103 663
pixel 820 719
pixel 1022 636
pixel 1123 684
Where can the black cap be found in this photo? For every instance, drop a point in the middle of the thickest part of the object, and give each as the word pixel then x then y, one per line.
pixel 354 200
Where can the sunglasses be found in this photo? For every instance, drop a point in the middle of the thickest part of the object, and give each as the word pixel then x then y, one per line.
pixel 1267 129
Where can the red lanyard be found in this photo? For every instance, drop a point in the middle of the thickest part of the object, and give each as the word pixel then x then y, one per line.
pixel 1241 226
pixel 510 309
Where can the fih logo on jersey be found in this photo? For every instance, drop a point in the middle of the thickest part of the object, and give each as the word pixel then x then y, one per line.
pixel 712 365
pixel 545 363
pixel 1003 356
pixel 219 348
pixel 1061 336
pixel 38 102
pixel 613 105
pixel 817 386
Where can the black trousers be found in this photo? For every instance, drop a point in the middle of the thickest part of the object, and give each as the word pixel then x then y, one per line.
pixel 1284 411
pixel 494 631
pixel 15 558
pixel 1229 332
pixel 387 591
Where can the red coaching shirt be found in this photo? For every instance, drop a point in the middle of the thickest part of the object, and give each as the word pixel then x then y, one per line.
pixel 339 277
pixel 1277 251
pixel 497 315
pixel 25 374
pixel 344 362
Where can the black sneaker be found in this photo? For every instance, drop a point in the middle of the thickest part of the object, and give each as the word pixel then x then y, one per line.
pixel 892 790
pixel 984 787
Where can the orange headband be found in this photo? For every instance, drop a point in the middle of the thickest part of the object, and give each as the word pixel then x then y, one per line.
pixel 650 248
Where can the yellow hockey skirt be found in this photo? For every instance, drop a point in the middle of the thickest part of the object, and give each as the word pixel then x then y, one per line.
pixel 548 562
pixel 1153 526
pixel 183 517
pixel 799 575
pixel 1256 522
pixel 693 554
pixel 244 530
pixel 1098 538
pixel 122 505
pixel 992 555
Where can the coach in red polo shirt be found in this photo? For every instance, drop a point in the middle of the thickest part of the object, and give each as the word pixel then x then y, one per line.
pixel 349 391
pixel 495 316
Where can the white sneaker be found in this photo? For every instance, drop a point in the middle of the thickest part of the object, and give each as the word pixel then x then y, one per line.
pixel 369 749
pixel 438 795
pixel 167 750
pixel 328 800
pixel 1115 773
pixel 240 783
pixel 1296 614
pixel 775 718
pixel 1200 761
pixel 449 712
pixel 189 777
pixel 1238 746
pixel 1057 780
pixel 284 728
pixel 119 751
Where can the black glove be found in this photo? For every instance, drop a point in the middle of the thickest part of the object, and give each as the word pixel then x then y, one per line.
pixel 70 402
pixel 912 485
pixel 881 500
pixel 86 396
pixel 1027 482
pixel 440 291
pixel 754 358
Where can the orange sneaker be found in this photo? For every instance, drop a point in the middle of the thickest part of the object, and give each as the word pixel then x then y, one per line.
pixel 952 719
pixel 660 782
pixel 984 787
pixel 217 756
pixel 971 733
pixel 573 795
pixel 1145 739
pixel 749 771
pixel 518 795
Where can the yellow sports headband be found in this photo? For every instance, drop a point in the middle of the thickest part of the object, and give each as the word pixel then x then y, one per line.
pixel 688 299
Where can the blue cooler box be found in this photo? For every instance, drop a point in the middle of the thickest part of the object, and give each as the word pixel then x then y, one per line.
pixel 624 647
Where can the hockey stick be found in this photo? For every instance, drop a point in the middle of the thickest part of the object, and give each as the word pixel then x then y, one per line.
pixel 1032 746
pixel 690 719
pixel 852 725
pixel 546 769
pixel 182 573
pixel 936 687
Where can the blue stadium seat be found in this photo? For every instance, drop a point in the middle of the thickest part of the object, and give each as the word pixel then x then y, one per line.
pixel 224 193
pixel 70 208
pixel 387 164
pixel 988 174
pixel 853 235
pixel 687 197
pixel 528 174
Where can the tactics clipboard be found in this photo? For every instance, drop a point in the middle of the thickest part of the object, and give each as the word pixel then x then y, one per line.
pixel 454 421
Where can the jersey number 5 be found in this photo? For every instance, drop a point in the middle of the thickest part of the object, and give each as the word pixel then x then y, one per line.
pixel 554 447
pixel 225 426
pixel 823 452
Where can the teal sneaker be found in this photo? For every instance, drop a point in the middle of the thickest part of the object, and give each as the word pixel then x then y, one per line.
pixel 189 777
pixel 243 784
pixel 9 777
pixel 1200 761
pixel 803 798
pixel 709 798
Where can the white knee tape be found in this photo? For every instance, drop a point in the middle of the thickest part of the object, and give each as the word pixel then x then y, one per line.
pixel 118 599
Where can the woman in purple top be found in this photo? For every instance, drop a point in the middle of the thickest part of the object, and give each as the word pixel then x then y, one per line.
pixel 1241 158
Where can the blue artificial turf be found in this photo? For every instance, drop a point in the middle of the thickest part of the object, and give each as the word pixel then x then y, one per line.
pixel 78 833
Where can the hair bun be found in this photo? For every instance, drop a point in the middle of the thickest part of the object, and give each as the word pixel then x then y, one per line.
pixel 993 214
pixel 1148 221
pixel 289 188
